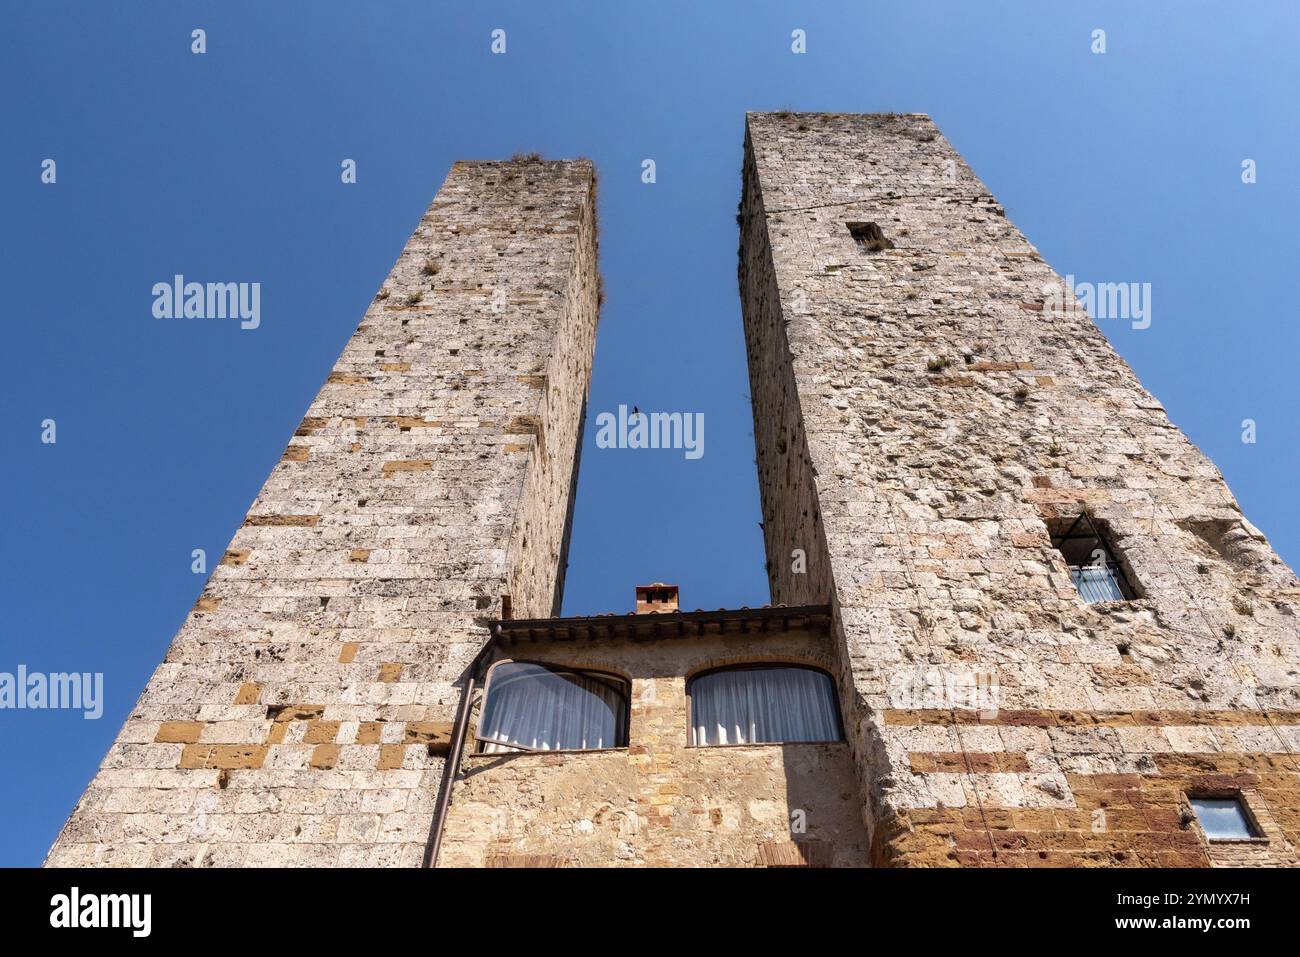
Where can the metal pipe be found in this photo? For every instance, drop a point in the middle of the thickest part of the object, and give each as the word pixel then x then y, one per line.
pixel 452 765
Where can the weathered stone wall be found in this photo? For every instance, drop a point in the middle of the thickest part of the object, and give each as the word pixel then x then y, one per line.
pixel 659 802
pixel 923 414
pixel 301 712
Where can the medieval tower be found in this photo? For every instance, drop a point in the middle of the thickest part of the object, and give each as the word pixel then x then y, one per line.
pixel 303 711
pixel 1017 620
pixel 955 447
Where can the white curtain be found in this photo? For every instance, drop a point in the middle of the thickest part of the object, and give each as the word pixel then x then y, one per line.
pixel 763 705
pixel 531 706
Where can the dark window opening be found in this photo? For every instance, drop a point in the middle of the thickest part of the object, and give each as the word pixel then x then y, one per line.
pixel 1094 568
pixel 534 707
pixel 1224 818
pixel 869 236
pixel 763 704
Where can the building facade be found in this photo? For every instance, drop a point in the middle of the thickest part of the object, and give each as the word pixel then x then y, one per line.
pixel 666 793
pixel 1018 619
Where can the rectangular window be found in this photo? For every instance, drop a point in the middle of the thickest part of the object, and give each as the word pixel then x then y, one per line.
pixel 1094 568
pixel 1224 819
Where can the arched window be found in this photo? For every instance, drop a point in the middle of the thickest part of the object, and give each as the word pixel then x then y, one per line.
pixel 532 707
pixel 763 704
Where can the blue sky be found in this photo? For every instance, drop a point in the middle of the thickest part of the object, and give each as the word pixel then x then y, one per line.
pixel 1118 167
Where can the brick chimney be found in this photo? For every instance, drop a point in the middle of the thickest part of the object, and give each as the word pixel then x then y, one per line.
pixel 652 599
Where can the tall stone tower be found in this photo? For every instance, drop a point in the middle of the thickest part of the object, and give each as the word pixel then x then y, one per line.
pixel 302 712
pixel 1059 640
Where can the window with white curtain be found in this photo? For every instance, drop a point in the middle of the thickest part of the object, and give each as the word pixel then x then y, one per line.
pixel 763 704
pixel 533 707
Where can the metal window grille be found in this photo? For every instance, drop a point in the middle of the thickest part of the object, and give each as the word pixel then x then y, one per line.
pixel 1093 567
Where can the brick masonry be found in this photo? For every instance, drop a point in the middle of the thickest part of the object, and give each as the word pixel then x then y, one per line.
pixel 923 414
pixel 302 713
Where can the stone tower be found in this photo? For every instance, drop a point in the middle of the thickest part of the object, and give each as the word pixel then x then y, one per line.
pixel 939 430
pixel 1049 634
pixel 301 714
